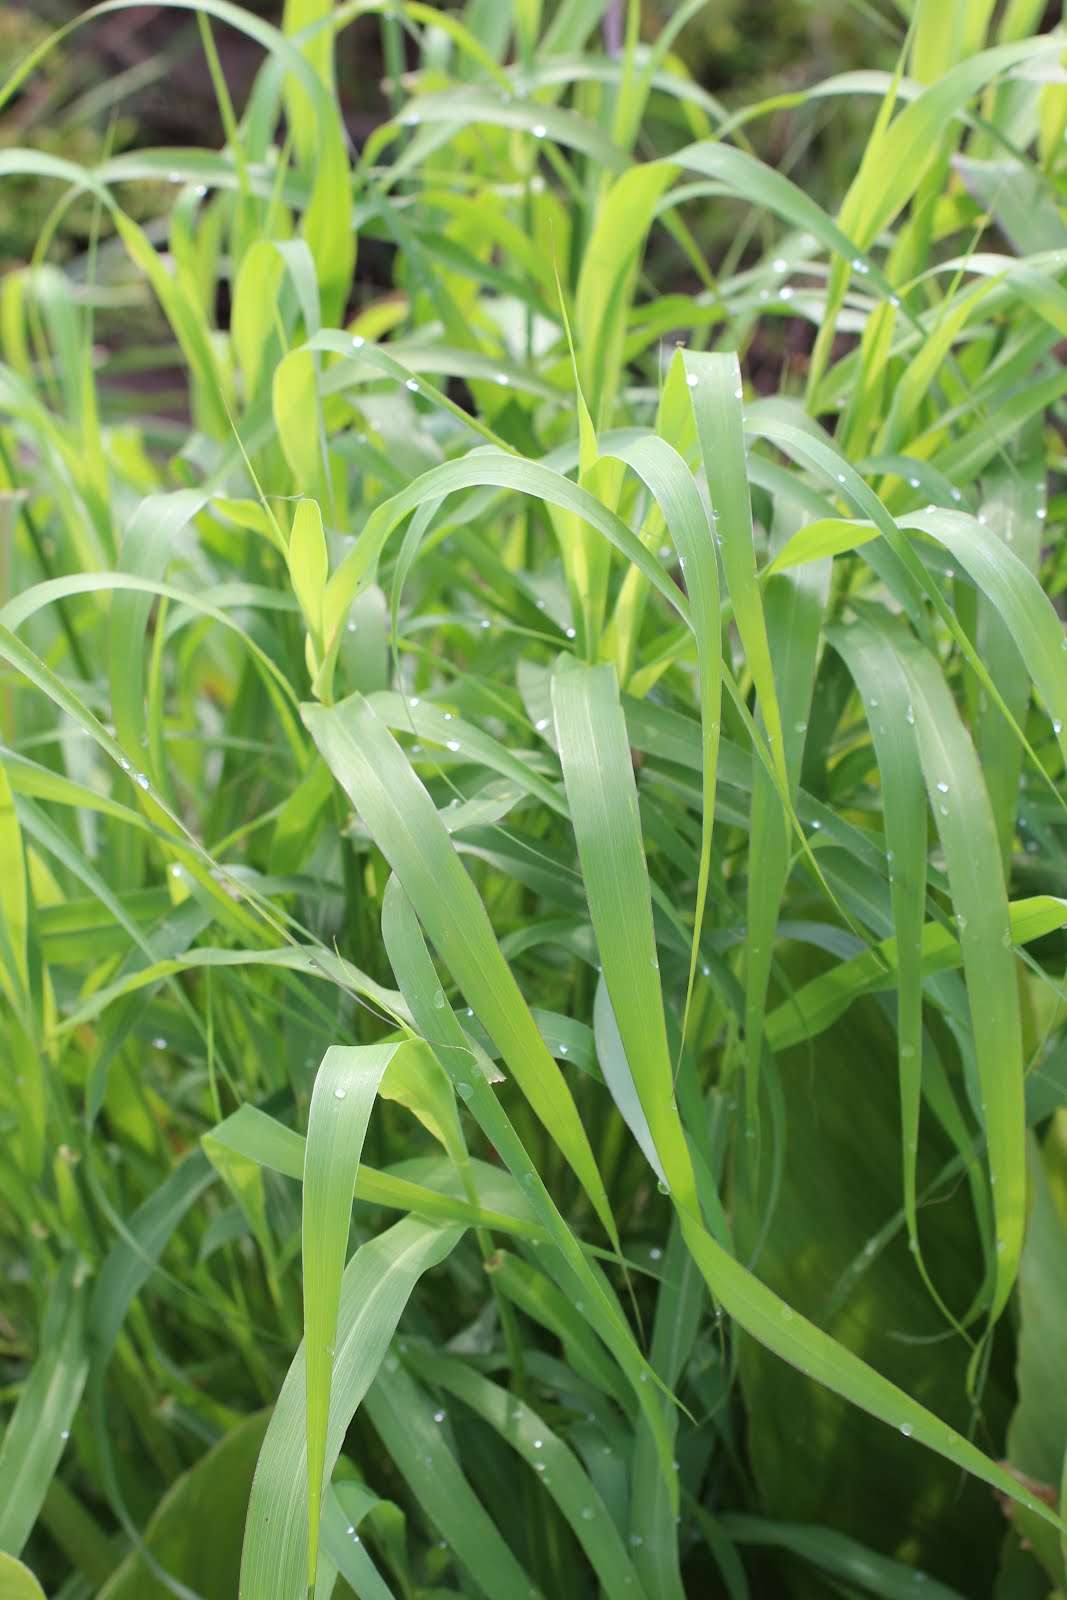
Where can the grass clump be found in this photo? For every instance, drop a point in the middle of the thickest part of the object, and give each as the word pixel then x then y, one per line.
pixel 566 746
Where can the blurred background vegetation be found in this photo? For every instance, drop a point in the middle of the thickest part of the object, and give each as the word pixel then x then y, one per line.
pixel 136 78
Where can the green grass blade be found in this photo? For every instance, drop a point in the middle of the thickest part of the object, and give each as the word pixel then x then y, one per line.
pixel 251 1134
pixel 887 703
pixel 371 767
pixel 375 1288
pixel 967 828
pixel 715 382
pixel 559 1471
pixel 16 1581
pixel 591 733
pixel 816 1005
pixel 419 982
pixel 404 1417
pixel 40 1425
pixel 346 1086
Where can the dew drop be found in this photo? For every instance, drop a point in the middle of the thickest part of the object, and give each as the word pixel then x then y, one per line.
pixel 538 1444
pixel 452 744
pixel 159 1044
pixel 781 264
pixel 942 788
pixel 412 385
pixel 655 1254
pixel 785 293
pixel 464 1090
pixel 413 702
pixel 503 379
pixel 957 496
pixel 800 727
pixel 439 1416
pixel 65 1433
pixel 439 1000
pixel 636 1541
pixel 587 1513
pixel 739 394
pixel 692 380
pixel 339 1094
pixel 358 341
pixel 1041 514
pixel 571 633
pixel 906 1429
pixel 861 267
pixel 538 130
pixel 541 724
pixel 909 715
pixel 914 482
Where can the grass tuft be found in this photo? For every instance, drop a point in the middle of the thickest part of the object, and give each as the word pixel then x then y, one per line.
pixel 533 854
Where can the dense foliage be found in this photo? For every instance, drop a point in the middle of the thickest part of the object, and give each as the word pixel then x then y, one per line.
pixel 533 692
